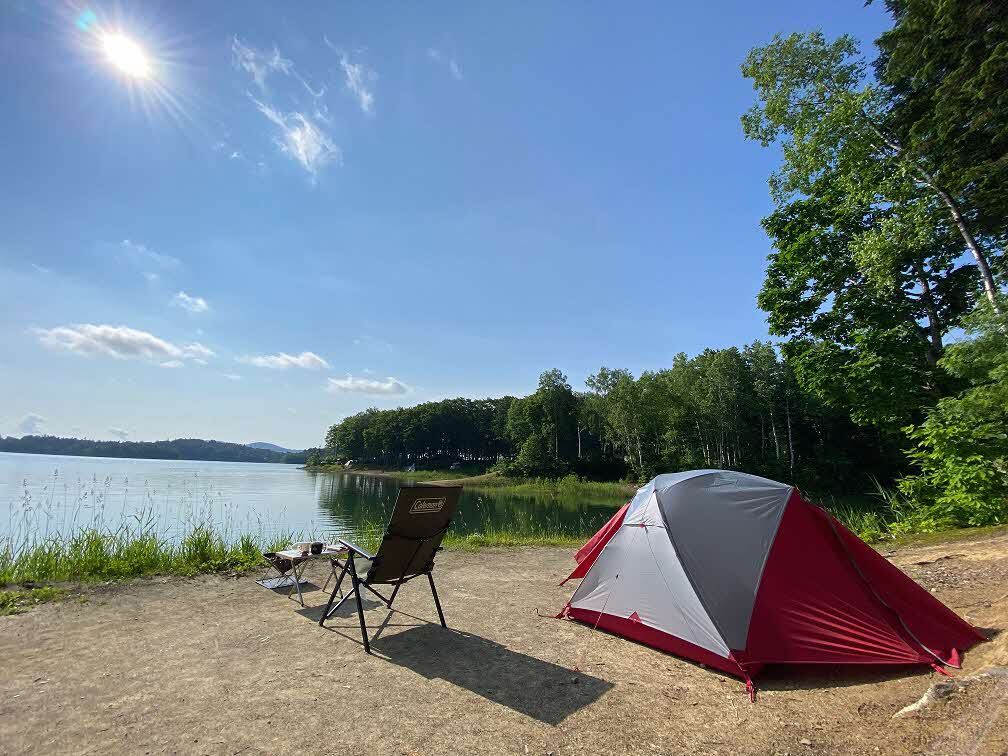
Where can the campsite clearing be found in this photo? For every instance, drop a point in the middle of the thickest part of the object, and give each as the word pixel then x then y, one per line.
pixel 220 665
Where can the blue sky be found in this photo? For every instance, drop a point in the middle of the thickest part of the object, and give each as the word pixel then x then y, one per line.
pixel 303 210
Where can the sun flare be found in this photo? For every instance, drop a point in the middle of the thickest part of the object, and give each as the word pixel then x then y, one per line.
pixel 126 55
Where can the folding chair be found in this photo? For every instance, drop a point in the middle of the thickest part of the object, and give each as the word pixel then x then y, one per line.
pixel 420 519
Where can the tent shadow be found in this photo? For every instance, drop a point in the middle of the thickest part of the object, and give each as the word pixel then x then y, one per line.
pixel 783 677
pixel 538 689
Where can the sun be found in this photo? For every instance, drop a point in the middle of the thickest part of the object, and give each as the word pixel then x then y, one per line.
pixel 126 55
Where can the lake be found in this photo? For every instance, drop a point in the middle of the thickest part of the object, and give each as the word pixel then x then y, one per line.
pixel 49 494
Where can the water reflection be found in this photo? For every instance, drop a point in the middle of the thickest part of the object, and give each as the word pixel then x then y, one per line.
pixel 354 502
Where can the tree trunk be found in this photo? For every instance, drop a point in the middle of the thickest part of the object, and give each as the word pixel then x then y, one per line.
pixel 990 288
pixel 934 329
pixel 773 430
pixel 790 439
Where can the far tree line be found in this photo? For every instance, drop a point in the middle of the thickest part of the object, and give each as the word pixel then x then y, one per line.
pixel 724 408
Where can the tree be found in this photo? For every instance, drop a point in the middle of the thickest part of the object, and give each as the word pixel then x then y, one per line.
pixel 945 67
pixel 865 280
pixel 815 100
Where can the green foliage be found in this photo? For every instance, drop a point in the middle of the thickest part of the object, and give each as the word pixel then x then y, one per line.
pixel 94 554
pixel 18 602
pixel 961 447
pixel 945 67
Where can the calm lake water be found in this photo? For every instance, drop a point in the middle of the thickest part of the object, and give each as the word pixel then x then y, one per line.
pixel 42 494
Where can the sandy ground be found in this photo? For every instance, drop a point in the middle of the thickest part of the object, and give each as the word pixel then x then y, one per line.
pixel 219 665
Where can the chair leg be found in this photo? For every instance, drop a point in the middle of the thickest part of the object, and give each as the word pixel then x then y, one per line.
pixel 336 589
pixel 394 592
pixel 360 607
pixel 437 603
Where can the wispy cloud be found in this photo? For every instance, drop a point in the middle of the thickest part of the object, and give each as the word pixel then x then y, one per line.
pixel 121 343
pixel 231 376
pixel 259 64
pixel 446 59
pixel 41 269
pixel 282 361
pixel 30 425
pixel 190 303
pixel 302 139
pixel 119 433
pixel 144 257
pixel 358 78
pixel 368 386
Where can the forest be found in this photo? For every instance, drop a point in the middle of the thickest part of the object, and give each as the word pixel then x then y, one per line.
pixel 179 448
pixel 884 294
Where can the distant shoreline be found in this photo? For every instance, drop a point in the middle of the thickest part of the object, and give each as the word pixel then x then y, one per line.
pixel 292 463
pixel 569 486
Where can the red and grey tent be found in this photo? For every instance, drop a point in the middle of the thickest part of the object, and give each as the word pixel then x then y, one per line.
pixel 736 572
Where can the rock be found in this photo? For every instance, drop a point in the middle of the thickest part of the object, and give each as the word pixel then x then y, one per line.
pixel 805 742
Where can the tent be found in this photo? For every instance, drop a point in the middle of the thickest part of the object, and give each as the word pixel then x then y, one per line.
pixel 736 571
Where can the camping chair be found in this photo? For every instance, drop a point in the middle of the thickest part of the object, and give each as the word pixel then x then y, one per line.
pixel 419 521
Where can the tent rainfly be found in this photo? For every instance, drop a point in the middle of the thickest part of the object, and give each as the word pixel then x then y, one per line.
pixel 736 572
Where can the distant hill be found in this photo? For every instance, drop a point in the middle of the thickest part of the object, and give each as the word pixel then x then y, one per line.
pixel 273 447
pixel 179 448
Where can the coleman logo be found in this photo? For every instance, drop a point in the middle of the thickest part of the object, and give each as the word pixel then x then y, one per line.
pixel 426 506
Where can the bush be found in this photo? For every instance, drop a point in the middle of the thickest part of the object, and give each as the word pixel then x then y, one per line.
pixel 962 446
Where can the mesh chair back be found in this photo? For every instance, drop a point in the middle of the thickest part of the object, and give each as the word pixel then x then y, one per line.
pixel 418 524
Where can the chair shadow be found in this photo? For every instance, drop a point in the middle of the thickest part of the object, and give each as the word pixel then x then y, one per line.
pixel 538 689
pixel 346 611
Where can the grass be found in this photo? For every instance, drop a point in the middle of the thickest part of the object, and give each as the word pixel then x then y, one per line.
pixel 18 602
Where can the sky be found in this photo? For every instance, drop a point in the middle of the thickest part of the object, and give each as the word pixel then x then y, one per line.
pixel 246 221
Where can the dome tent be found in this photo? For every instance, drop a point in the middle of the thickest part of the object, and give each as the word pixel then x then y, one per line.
pixel 736 571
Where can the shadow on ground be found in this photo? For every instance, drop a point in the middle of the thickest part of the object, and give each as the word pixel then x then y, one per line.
pixel 541 690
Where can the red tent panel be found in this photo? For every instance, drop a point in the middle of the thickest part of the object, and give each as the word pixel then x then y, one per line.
pixel 928 619
pixel 655 638
pixel 813 605
pixel 588 553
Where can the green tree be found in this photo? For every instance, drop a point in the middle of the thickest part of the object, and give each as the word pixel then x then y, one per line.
pixel 865 280
pixel 961 447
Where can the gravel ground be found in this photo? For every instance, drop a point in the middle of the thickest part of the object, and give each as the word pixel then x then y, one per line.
pixel 218 665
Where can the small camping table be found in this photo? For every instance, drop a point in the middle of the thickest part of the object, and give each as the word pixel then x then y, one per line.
pixel 300 562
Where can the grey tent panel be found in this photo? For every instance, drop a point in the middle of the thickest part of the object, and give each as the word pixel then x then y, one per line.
pixel 722 525
pixel 638 573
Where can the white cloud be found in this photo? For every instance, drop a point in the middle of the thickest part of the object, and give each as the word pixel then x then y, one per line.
pixel 143 257
pixel 369 386
pixel 259 64
pixel 190 303
pixel 282 361
pixel 446 59
pixel 231 376
pixel 30 424
pixel 121 343
pixel 359 80
pixel 41 269
pixel 301 139
pixel 173 364
pixel 119 433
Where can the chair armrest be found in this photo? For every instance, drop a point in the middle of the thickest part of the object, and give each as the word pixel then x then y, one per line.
pixel 351 546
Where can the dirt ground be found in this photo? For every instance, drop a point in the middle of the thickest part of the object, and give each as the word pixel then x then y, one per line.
pixel 219 665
